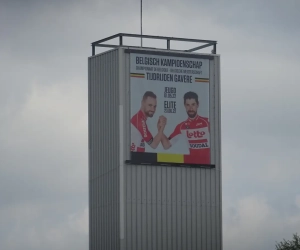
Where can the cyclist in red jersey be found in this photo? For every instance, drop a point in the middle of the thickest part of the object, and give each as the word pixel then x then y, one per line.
pixel 195 130
pixel 139 129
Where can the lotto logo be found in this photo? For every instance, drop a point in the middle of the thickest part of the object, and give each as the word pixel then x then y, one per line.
pixel 195 134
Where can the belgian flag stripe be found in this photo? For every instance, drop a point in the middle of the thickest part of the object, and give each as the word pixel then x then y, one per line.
pixel 201 80
pixel 145 158
pixel 175 158
pixel 137 75
pixel 141 157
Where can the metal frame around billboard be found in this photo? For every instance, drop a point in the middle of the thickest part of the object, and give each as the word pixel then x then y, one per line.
pixel 171 164
pixel 205 43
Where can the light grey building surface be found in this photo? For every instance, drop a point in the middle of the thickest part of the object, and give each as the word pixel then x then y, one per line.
pixel 139 201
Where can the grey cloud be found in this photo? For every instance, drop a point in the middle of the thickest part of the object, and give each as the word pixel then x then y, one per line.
pixel 43 170
pixel 250 220
pixel 37 226
pixel 257 16
pixel 47 154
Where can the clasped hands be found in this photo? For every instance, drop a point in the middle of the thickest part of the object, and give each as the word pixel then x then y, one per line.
pixel 161 123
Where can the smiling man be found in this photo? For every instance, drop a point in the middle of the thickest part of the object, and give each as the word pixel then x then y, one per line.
pixel 195 130
pixel 139 129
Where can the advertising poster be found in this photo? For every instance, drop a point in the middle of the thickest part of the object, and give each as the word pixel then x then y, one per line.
pixel 169 109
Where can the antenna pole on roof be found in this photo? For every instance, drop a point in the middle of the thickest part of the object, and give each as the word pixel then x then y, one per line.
pixel 141 23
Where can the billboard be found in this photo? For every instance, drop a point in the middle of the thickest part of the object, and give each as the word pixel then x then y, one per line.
pixel 169 109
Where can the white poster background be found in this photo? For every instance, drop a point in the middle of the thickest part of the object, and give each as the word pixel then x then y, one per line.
pixel 138 86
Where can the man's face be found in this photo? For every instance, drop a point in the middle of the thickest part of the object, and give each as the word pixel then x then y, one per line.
pixel 191 107
pixel 149 106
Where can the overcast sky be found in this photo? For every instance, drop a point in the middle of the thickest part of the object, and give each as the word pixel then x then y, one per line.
pixel 44 48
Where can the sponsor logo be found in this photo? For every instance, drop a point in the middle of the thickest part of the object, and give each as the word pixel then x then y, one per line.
pixel 132 147
pixel 195 134
pixel 144 126
pixel 199 145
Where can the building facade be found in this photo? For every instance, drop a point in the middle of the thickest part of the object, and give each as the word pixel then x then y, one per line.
pixel 152 200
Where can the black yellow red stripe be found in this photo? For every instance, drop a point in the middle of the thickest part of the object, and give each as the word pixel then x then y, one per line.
pixel 142 158
pixel 174 158
pixel 201 80
pixel 137 75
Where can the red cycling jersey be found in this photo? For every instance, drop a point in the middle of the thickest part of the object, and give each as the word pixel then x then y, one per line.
pixel 139 132
pixel 196 133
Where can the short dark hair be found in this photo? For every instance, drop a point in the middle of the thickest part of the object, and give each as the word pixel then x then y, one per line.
pixel 191 95
pixel 149 94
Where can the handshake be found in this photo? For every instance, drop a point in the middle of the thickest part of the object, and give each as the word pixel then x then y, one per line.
pixel 161 123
